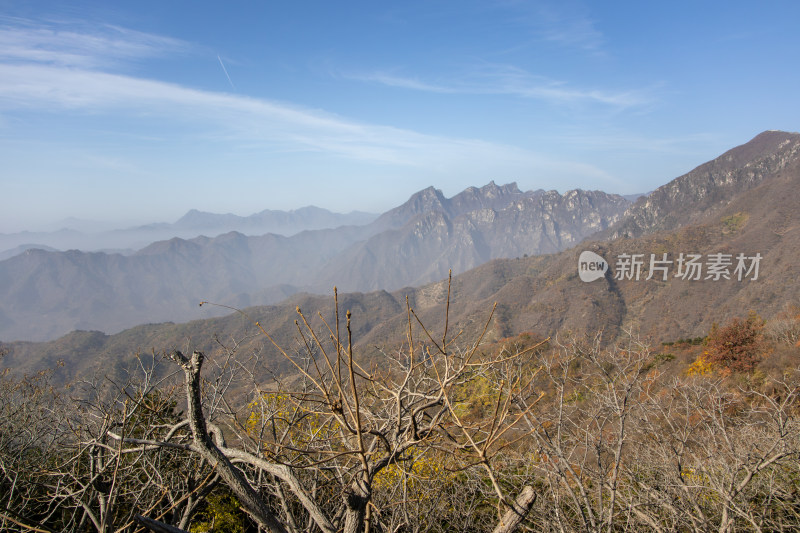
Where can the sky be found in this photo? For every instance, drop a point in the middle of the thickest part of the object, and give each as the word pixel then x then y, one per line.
pixel 136 112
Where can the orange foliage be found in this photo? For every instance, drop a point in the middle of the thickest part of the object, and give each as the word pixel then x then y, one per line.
pixel 737 346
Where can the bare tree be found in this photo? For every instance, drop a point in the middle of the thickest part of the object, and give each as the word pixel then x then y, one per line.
pixel 64 466
pixel 310 453
pixel 584 432
pixel 438 433
pixel 722 457
pixel 618 448
pixel 29 439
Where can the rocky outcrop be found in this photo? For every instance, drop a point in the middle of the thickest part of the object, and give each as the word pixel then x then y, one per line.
pixel 711 186
pixel 434 242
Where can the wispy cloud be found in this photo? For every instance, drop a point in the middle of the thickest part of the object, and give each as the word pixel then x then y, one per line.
pixel 281 126
pixel 392 80
pixel 575 30
pixel 566 25
pixel 513 81
pixel 68 46
pixel 691 143
pixel 72 72
pixel 274 126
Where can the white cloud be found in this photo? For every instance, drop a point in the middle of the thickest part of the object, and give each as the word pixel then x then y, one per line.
pixel 513 81
pixel 243 119
pixel 391 80
pixel 66 73
pixel 67 46
pixel 571 30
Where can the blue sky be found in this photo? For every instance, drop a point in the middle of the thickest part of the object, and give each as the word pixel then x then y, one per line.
pixel 138 111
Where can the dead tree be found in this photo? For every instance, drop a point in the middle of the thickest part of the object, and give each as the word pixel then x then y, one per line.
pixel 308 454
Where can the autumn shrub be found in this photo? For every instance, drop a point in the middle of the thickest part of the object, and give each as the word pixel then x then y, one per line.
pixel 739 345
pixel 701 366
pixel 784 328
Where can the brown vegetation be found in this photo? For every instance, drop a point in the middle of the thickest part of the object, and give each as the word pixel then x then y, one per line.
pixel 739 345
pixel 445 432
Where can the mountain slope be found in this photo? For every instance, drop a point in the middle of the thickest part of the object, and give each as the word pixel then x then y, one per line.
pixel 710 186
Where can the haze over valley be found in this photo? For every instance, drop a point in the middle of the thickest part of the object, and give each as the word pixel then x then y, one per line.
pixel 417 242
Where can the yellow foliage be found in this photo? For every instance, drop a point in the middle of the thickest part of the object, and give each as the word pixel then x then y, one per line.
pixel 222 514
pixel 475 398
pixel 690 475
pixel 280 412
pixel 698 480
pixel 414 473
pixel 701 366
pixel 273 405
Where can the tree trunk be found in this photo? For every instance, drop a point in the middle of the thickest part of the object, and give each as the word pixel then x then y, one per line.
pixel 516 514
pixel 356 500
pixel 248 497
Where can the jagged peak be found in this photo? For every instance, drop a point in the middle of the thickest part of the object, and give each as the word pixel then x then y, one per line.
pixel 426 198
pixel 430 191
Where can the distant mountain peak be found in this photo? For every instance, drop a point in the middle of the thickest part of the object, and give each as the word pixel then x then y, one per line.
pixel 270 221
pixel 493 188
pixel 427 199
pixel 429 192
pixel 489 196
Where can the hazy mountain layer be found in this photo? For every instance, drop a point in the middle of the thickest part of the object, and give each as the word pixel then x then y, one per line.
pixel 89 236
pixel 47 294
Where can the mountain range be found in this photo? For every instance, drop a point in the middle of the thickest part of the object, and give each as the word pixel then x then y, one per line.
pixel 744 202
pixel 45 294
pixel 96 236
